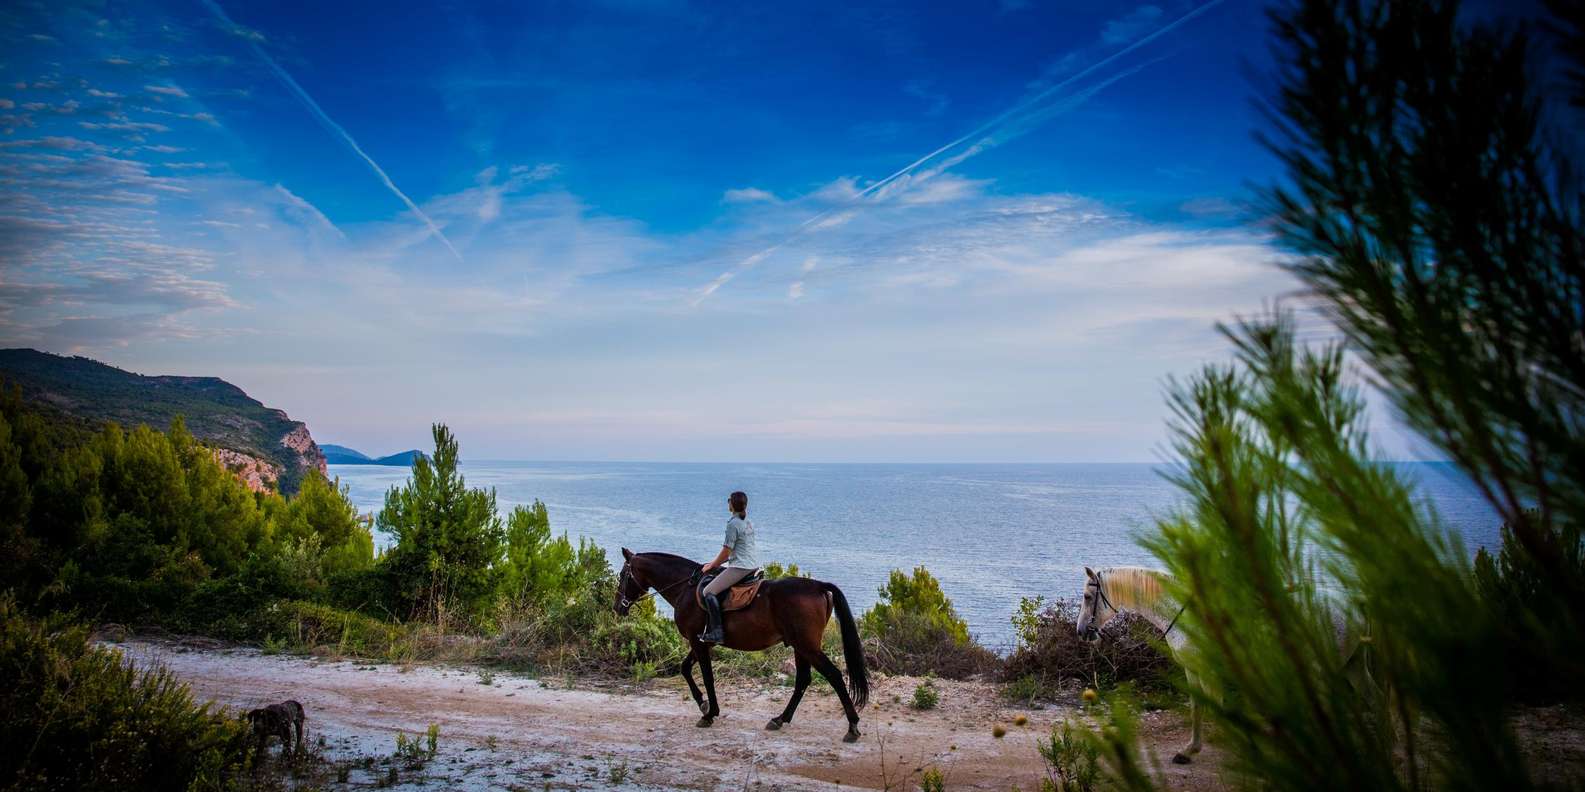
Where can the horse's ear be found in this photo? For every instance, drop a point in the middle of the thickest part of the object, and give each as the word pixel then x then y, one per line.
pixel 627 554
pixel 1089 572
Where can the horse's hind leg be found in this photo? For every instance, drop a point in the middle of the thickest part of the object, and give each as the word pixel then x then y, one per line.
pixel 1196 718
pixel 687 674
pixel 703 653
pixel 829 670
pixel 800 683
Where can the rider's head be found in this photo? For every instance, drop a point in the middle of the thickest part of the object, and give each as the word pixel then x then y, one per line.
pixel 738 502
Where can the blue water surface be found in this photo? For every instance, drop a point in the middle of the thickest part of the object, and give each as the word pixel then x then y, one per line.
pixel 990 533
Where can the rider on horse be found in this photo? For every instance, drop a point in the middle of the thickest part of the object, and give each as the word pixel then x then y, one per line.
pixel 737 559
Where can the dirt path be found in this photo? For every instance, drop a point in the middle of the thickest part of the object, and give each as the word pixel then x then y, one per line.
pixel 642 737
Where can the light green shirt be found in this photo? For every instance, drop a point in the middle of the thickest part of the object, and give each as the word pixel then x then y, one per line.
pixel 740 537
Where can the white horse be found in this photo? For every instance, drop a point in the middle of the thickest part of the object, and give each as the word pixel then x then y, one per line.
pixel 1143 591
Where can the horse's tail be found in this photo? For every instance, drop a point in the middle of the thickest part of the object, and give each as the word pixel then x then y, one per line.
pixel 852 647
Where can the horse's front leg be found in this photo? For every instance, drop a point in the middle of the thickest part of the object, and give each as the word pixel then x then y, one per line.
pixel 687 674
pixel 702 652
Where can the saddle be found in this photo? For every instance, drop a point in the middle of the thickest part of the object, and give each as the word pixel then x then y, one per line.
pixel 741 595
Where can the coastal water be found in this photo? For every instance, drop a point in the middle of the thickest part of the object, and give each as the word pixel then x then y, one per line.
pixel 990 533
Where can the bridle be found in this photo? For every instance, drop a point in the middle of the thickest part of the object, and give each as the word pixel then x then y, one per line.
pixel 621 588
pixel 1091 630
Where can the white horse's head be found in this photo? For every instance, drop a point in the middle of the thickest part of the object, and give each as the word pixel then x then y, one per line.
pixel 1097 609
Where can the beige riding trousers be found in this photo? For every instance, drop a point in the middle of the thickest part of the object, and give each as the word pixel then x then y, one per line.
pixel 725 578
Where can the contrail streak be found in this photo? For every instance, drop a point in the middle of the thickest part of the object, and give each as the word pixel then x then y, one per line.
pixel 986 133
pixel 1044 94
pixel 335 128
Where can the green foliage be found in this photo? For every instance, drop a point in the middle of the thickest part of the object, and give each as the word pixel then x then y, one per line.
pixel 81 717
pixel 414 752
pixel 82 393
pixel 1071 758
pixel 774 570
pixel 931 780
pixel 926 697
pixel 321 528
pixel 448 540
pixel 915 598
pixel 308 625
pixel 1291 532
pixel 913 629
pixel 1438 215
pixel 541 570
pixel 1515 586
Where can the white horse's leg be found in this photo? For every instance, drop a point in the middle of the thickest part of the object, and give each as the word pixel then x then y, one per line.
pixel 1195 717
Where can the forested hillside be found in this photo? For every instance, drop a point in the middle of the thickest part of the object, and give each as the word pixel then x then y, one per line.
pixel 263 445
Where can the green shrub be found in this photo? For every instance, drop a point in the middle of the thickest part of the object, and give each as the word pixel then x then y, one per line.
pixel 448 540
pixel 913 629
pixel 1513 586
pixel 1071 758
pixel 931 780
pixel 310 625
pixel 81 717
pixel 916 597
pixel 926 697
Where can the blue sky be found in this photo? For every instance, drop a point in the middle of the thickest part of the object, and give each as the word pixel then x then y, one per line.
pixel 646 230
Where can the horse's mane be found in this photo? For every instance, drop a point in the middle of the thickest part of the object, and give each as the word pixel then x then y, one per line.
pixel 668 557
pixel 1135 588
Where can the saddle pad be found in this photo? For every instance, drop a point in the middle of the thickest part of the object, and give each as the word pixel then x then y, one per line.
pixel 738 597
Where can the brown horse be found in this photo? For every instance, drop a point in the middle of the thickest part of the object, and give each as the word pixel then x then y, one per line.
pixel 791 611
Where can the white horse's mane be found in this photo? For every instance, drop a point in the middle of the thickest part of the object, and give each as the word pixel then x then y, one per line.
pixel 1140 590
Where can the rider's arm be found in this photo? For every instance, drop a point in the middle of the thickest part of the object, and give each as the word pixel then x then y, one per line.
pixel 720 558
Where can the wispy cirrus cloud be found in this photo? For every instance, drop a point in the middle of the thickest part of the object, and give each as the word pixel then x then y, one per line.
pixel 1046 103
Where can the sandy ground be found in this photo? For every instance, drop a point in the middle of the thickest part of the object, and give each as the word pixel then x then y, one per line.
pixel 549 736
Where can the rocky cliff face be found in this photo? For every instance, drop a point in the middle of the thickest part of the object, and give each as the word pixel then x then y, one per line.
pixel 302 444
pixel 263 445
pixel 260 475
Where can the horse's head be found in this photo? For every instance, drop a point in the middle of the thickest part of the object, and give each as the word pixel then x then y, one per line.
pixel 630 585
pixel 1097 609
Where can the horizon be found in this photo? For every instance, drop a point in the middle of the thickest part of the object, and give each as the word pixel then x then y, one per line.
pixel 648 231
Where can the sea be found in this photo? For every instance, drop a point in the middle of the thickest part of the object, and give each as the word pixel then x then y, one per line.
pixel 990 533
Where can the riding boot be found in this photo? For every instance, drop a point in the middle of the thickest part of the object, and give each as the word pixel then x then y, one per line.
pixel 713 633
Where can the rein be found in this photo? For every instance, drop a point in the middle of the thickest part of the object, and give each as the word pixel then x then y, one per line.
pixel 628 575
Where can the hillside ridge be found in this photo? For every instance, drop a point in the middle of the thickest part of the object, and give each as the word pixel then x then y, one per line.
pixel 262 445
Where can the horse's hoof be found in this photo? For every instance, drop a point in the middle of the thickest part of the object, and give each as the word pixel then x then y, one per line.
pixel 704 723
pixel 1180 758
pixel 774 725
pixel 851 737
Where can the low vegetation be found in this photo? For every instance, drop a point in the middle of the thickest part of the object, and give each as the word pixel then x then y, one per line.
pixel 1052 659
pixel 80 717
pixel 913 629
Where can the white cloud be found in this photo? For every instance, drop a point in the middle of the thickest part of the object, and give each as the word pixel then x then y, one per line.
pixel 166 90
pixel 749 195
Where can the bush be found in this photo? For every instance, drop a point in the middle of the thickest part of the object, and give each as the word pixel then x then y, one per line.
pixel 81 717
pixel 914 629
pixel 449 540
pixel 1071 759
pixel 926 697
pixel 311 625
pixel 1052 654
pixel 1513 586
